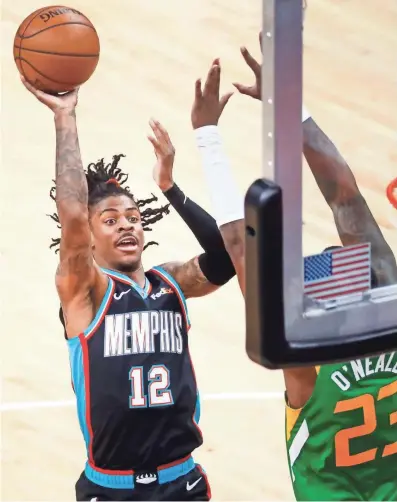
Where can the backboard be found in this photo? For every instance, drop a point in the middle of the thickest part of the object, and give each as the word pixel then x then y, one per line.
pixel 286 327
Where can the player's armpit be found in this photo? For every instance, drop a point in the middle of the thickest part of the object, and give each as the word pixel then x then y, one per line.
pixel 75 274
pixel 81 287
pixel 190 278
pixel 299 384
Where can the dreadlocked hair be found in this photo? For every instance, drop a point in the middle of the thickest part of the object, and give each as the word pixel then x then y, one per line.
pixel 107 180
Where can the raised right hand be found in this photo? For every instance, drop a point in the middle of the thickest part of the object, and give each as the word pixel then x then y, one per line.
pixel 58 104
pixel 165 155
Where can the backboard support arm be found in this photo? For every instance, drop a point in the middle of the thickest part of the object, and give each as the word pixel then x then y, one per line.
pixel 282 133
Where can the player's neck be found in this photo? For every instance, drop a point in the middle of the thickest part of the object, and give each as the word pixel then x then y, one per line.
pixel 138 276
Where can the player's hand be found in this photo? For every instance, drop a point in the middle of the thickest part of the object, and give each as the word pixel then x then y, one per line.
pixel 165 154
pixel 254 90
pixel 208 105
pixel 58 104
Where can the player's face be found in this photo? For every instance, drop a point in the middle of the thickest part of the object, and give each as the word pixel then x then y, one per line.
pixel 117 232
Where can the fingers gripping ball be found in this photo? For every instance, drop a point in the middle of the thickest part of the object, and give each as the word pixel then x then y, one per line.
pixel 56 49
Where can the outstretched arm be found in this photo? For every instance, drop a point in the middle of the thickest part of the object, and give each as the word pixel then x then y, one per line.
pixel 353 218
pixel 299 382
pixel 75 269
pixel 71 185
pixel 226 199
pixel 207 109
pixel 215 262
pixel 76 272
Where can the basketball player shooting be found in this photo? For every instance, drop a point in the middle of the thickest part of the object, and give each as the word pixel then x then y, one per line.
pixel 340 418
pixel 126 331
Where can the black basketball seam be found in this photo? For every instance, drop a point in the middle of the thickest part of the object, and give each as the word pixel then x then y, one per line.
pixel 59 54
pixel 26 27
pixel 40 73
pixel 56 26
pixel 33 18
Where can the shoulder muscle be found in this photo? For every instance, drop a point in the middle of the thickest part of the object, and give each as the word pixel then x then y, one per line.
pixel 190 278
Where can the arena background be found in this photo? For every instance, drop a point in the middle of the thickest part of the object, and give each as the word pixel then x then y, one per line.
pixel 151 54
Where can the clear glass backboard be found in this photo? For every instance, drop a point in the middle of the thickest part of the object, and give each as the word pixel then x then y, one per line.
pixel 306 303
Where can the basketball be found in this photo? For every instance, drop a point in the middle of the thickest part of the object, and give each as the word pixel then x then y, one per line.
pixel 56 49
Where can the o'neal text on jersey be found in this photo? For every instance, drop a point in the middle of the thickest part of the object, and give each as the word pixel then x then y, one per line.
pixel 143 333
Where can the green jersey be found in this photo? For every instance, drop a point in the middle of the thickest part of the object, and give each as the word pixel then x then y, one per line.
pixel 342 445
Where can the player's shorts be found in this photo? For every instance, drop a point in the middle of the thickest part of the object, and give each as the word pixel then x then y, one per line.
pixel 178 481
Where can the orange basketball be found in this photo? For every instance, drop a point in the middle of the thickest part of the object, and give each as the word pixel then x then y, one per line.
pixel 56 49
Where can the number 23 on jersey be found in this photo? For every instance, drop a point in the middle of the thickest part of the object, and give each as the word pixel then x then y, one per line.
pixel 367 403
pixel 157 381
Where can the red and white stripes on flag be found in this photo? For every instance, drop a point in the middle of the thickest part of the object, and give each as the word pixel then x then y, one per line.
pixel 338 272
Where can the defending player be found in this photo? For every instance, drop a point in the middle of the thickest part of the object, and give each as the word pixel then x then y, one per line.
pixel 341 419
pixel 127 332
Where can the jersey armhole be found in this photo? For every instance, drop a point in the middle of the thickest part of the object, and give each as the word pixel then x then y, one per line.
pixel 175 286
pixel 292 414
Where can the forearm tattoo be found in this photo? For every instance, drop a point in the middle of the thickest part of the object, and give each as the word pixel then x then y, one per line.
pixel 71 184
pixel 353 218
pixel 234 237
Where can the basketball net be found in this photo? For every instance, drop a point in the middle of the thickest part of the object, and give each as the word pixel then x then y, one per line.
pixel 391 194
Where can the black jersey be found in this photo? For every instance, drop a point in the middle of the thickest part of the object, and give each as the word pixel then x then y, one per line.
pixel 137 397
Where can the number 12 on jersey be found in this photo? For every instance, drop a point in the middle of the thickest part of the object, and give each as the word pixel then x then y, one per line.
pixel 158 393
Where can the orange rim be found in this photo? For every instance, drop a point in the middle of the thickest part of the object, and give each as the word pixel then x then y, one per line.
pixel 391 193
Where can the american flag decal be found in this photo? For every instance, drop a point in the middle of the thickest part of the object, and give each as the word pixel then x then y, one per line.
pixel 338 272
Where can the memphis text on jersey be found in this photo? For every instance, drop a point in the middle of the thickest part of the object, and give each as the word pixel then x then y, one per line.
pixel 136 332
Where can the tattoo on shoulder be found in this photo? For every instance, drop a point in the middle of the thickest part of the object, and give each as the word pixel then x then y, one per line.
pixel 193 272
pixel 190 277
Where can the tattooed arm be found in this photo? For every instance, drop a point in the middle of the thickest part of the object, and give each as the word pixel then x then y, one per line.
pixel 190 278
pixel 233 235
pixel 75 270
pixel 71 185
pixel 76 274
pixel 353 218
